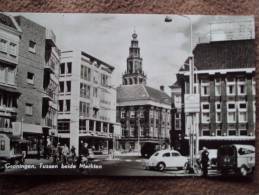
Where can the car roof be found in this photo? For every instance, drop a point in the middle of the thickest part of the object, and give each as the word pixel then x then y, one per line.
pixel 163 151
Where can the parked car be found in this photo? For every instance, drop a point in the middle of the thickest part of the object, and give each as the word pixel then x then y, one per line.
pixel 166 159
pixel 212 158
pixel 149 148
pixel 2 165
pixel 237 159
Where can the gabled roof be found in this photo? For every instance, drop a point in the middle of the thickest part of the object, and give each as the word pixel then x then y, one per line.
pixel 141 92
pixel 224 55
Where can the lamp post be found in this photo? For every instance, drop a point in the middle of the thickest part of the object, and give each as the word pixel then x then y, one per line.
pixel 189 103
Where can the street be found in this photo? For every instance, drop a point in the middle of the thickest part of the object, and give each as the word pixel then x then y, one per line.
pixel 119 166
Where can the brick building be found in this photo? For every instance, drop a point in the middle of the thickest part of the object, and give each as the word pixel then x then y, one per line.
pixel 37 81
pixel 9 43
pixel 225 79
pixel 87 102
pixel 144 112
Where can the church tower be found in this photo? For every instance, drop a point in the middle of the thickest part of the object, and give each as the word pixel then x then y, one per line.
pixel 134 73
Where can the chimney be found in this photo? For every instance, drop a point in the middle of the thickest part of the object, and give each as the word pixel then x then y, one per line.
pixel 162 87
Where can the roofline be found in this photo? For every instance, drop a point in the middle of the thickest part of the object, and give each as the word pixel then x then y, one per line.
pixel 102 62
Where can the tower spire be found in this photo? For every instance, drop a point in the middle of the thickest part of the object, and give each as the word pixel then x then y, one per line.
pixel 134 73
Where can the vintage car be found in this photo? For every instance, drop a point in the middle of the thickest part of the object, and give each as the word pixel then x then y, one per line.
pixel 10 148
pixel 166 159
pixel 237 159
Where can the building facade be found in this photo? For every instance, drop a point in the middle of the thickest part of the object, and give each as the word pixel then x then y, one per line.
pixel 9 43
pixel 225 79
pixel 87 102
pixel 144 112
pixel 38 83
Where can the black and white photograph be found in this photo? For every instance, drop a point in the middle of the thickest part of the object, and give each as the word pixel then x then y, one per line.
pixel 127 95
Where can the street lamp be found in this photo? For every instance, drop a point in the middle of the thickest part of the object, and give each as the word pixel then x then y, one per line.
pixel 192 105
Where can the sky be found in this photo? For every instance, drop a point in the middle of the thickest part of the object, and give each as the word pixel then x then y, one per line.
pixel 163 46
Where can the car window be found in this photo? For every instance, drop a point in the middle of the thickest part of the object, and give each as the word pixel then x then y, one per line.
pixel 175 154
pixel 243 151
pixel 156 154
pixel 166 154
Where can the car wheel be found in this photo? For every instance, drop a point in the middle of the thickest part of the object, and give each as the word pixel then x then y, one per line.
pixel 161 166
pixel 243 171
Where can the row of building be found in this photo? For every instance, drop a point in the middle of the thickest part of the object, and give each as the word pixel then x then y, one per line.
pixel 50 96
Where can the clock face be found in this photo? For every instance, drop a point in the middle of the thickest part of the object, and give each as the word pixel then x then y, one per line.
pixel 134 35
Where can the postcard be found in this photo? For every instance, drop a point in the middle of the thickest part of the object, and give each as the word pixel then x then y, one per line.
pixel 127 94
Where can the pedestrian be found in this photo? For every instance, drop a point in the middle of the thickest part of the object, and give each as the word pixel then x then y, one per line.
pixel 204 161
pixel 59 150
pixel 73 153
pixel 65 153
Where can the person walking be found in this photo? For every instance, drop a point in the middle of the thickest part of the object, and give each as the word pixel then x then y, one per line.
pixel 65 153
pixel 204 161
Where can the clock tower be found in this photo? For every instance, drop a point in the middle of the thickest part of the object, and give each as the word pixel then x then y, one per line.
pixel 134 73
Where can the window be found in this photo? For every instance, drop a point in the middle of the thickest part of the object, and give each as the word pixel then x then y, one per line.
pixel 243 116
pixel 141 114
pixel 242 106
pixel 132 114
pixel 205 90
pixel 32 46
pixel 205 112
pixel 166 154
pixel 205 117
pixel 85 73
pixel 84 90
pixel 95 77
pixel 218 117
pixel 231 117
pixel 82 124
pixel 2 145
pixel 62 68
pixel 241 86
pixel 151 114
pixel 206 106
pixel 175 154
pixel 69 67
pixel 243 132
pixel 63 125
pixel 67 105
pixel 28 109
pixel 122 114
pixel 242 112
pixel 68 86
pixel 3 45
pixel 205 132
pixel 61 87
pixel 231 84
pixel 218 106
pixel 60 102
pixel 13 49
pixel 84 109
pixel 231 109
pixel 95 92
pixel 177 101
pixel 232 132
pixel 219 132
pixel 217 87
pixel 132 130
pixel 30 77
pixel 231 106
pixel 241 90
pixel 104 80
pixel 177 124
